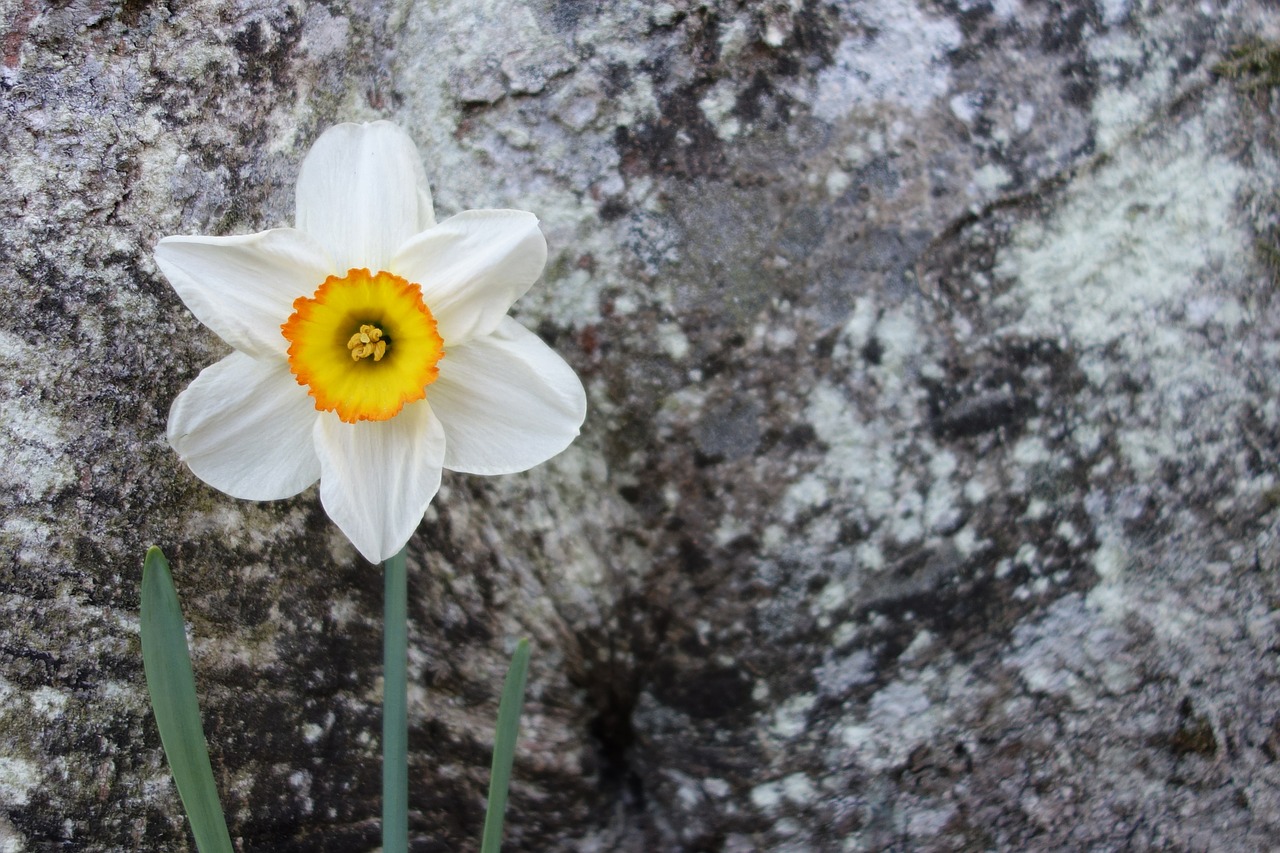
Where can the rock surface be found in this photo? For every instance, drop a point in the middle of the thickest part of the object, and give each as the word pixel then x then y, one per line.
pixel 927 500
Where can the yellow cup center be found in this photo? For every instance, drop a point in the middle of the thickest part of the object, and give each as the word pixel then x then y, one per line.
pixel 364 345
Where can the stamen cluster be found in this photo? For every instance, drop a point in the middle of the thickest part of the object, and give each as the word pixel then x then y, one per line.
pixel 367 342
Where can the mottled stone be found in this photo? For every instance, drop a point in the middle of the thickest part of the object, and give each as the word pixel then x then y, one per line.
pixel 927 496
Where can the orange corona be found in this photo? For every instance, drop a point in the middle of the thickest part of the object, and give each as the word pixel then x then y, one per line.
pixel 364 345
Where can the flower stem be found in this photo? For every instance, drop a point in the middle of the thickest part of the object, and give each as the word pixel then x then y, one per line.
pixel 395 720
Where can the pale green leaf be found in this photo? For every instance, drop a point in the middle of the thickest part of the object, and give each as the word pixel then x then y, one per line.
pixel 173 700
pixel 504 747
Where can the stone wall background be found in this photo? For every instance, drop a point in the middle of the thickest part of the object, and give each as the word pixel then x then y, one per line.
pixel 927 497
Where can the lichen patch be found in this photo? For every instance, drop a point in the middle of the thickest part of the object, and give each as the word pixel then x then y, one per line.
pixel 898 58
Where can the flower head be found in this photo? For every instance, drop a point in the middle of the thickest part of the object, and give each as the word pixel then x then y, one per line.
pixel 372 345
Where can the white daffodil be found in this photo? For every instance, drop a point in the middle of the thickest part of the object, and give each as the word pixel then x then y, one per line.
pixel 372 345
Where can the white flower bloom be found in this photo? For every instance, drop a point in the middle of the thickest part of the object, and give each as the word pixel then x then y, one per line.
pixel 373 346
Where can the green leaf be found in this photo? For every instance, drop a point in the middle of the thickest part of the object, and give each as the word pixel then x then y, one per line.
pixel 504 747
pixel 173 700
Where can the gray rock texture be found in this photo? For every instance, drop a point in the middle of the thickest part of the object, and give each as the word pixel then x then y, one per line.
pixel 927 500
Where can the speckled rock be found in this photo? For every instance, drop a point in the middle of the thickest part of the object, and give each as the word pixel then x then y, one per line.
pixel 927 500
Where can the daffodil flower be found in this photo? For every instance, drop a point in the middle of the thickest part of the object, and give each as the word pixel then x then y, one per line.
pixel 372 345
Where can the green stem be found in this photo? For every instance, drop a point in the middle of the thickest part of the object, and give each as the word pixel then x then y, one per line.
pixel 395 719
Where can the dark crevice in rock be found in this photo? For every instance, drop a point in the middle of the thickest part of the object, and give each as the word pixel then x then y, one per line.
pixel 614 734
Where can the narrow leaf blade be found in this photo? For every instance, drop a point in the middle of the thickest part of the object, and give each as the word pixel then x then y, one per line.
pixel 504 747
pixel 172 687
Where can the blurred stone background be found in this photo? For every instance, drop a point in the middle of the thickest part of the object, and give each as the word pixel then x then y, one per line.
pixel 927 499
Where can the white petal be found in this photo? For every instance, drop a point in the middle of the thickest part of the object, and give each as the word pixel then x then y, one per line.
pixel 243 287
pixel 426 211
pixel 472 267
pixel 244 427
pixel 362 192
pixel 377 477
pixel 507 402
